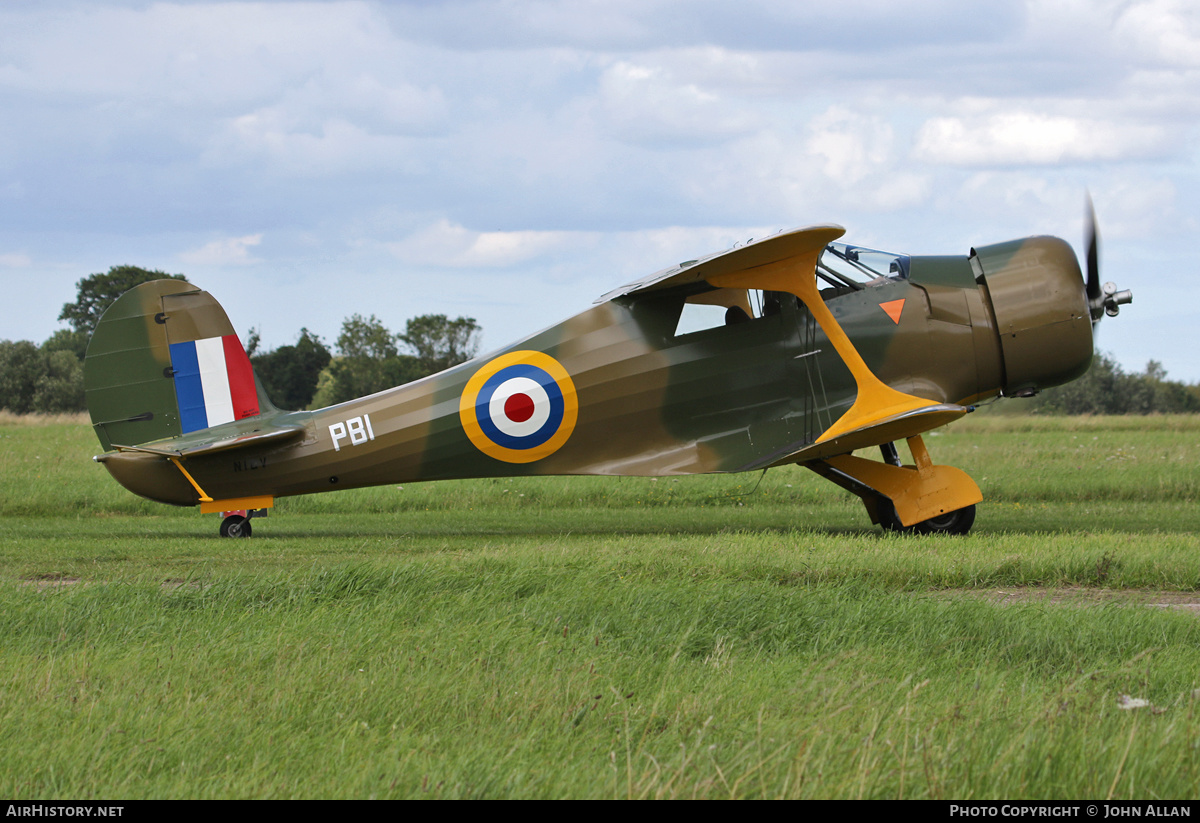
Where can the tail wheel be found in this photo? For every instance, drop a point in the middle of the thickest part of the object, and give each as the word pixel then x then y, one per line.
pixel 955 522
pixel 235 526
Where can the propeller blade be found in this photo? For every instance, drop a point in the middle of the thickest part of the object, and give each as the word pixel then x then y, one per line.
pixel 1104 299
pixel 1092 238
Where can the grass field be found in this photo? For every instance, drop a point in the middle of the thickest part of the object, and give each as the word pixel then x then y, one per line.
pixel 722 636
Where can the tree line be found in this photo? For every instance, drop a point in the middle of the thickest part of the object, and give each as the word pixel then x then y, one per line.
pixel 367 358
pixel 1107 389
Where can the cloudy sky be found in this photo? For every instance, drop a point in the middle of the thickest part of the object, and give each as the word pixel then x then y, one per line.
pixel 512 160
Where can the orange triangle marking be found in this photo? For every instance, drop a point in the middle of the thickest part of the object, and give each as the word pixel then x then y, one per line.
pixel 893 309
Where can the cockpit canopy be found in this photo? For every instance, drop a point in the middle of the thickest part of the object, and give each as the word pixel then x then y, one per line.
pixel 841 269
pixel 842 265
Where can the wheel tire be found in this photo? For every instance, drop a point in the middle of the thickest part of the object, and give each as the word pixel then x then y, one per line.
pixel 955 522
pixel 888 520
pixel 235 526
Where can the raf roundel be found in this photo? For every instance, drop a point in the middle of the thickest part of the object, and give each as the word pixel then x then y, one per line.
pixel 520 407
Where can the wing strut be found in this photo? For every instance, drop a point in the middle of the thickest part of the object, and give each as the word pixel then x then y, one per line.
pixel 917 494
pixel 876 402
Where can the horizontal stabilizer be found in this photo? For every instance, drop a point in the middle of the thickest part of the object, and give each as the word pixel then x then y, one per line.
pixel 197 446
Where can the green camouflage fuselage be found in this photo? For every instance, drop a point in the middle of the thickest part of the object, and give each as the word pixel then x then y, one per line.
pixel 646 397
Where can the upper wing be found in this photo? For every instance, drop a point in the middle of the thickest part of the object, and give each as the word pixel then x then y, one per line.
pixel 773 249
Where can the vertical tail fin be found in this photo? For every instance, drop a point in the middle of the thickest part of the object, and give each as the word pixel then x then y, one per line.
pixel 164 360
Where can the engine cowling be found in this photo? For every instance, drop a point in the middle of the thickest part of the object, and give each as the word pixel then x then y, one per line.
pixel 1039 299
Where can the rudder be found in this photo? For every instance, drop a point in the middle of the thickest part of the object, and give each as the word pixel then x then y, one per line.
pixel 163 361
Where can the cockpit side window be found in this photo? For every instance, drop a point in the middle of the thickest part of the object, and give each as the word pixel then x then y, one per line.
pixel 725 307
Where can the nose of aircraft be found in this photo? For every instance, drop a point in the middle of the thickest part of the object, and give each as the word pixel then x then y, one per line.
pixel 1040 302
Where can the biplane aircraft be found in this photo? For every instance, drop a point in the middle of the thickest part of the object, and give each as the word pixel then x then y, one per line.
pixel 794 349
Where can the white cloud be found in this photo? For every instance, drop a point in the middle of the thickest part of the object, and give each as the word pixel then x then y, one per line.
pixel 644 102
pixel 824 168
pixel 630 25
pixel 1162 31
pixel 851 145
pixel 231 251
pixel 267 138
pixel 1025 137
pixel 448 244
pixel 223 54
pixel 332 123
pixel 896 191
pixel 1012 203
pixel 1136 207
pixel 555 147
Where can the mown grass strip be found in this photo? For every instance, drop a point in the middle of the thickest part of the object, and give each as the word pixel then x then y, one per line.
pixel 609 638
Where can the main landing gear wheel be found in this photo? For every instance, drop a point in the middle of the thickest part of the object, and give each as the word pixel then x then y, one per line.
pixel 235 526
pixel 955 522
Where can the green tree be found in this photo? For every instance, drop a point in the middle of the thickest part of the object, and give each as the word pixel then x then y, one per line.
pixel 1107 389
pixel 98 291
pixel 76 342
pixel 289 374
pixel 21 366
pixel 366 338
pixel 33 380
pixel 440 342
pixel 368 361
pixel 1169 396
pixel 60 387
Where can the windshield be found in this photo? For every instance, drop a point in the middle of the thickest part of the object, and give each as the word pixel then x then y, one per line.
pixel 842 265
